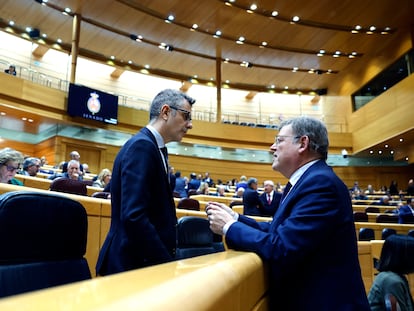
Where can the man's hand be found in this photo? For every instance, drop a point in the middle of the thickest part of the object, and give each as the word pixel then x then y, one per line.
pixel 219 215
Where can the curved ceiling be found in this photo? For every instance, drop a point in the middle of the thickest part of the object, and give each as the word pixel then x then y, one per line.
pixel 256 48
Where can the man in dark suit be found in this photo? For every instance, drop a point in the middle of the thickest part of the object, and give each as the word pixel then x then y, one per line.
pixel 270 198
pixel 310 246
pixel 406 212
pixel 143 219
pixel 252 205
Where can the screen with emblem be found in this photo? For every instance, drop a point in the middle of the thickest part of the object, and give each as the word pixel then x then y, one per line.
pixel 92 104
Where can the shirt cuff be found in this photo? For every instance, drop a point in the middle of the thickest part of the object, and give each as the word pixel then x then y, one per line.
pixel 227 225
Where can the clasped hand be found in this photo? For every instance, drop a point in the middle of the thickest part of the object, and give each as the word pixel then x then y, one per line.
pixel 218 215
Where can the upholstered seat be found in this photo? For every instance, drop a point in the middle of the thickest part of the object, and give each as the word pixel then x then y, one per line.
pixel 42 241
pixel 67 185
pixel 194 238
pixel 386 232
pixel 101 195
pixel 188 203
pixel 360 216
pixel 387 218
pixel 366 234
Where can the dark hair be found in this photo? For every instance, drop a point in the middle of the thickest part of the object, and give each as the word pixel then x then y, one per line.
pixel 251 181
pixel 397 254
pixel 314 129
pixel 169 97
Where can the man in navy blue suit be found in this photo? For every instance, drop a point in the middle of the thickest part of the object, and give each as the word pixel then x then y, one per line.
pixel 252 205
pixel 143 219
pixel 406 212
pixel 310 246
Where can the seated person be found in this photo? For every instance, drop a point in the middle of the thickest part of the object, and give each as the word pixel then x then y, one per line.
pixel 395 263
pixel 220 191
pixel 359 195
pixel 385 201
pixel 203 189
pixel 11 70
pixel 103 178
pixel 71 173
pixel 31 166
pixel 406 211
pixel 10 161
pixel 239 193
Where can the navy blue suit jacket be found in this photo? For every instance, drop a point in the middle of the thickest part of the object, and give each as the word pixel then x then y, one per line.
pixel 143 219
pixel 252 205
pixel 310 246
pixel 404 214
pixel 270 209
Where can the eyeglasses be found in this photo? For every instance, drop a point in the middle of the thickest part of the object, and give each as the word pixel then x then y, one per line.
pixel 11 168
pixel 186 114
pixel 281 138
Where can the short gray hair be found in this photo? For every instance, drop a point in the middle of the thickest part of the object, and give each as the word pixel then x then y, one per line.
pixel 314 129
pixel 169 97
pixel 9 154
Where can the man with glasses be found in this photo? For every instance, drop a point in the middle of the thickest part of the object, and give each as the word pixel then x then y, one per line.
pixel 143 219
pixel 10 161
pixel 31 166
pixel 310 246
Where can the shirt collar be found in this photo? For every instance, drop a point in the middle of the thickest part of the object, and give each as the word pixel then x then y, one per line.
pixel 300 171
pixel 158 137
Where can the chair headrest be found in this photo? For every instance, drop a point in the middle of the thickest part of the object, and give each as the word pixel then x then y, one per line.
pixel 41 226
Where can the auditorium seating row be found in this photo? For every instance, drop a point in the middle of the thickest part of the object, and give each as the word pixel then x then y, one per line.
pixel 223 281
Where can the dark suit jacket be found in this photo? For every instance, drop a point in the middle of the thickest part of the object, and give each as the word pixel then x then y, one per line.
pixel 310 246
pixel 143 218
pixel 270 209
pixel 405 215
pixel 252 205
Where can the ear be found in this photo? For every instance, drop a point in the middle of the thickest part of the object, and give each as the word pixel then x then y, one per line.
pixel 303 143
pixel 165 111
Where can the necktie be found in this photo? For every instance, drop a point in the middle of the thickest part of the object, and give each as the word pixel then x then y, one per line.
pixel 286 191
pixel 268 199
pixel 165 154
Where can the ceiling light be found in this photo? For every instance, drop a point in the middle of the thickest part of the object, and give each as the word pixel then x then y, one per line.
pixel 217 34
pixel 295 19
pixel 195 26
pixel 11 23
pixel 275 13
pixel 264 43
pixel 253 7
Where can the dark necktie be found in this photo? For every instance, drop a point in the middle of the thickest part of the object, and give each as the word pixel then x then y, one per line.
pixel 286 191
pixel 268 199
pixel 165 154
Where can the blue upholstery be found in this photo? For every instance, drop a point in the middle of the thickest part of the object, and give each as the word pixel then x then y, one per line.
pixel 194 238
pixel 42 241
pixel 386 232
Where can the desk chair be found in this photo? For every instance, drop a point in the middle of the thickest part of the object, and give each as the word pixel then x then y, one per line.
pixel 366 234
pixel 194 238
pixel 42 241
pixel 188 203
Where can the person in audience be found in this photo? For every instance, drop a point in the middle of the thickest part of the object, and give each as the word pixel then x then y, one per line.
pixel 10 161
pixel 410 188
pixel 406 210
pixel 242 183
pixel 203 188
pixel 180 185
pixel 73 170
pixel 208 179
pixel 31 166
pixel 239 193
pixel 359 195
pixel 396 261
pixel 310 246
pixel 74 155
pixel 193 183
pixel 86 168
pixel 370 190
pixel 43 161
pixel 220 191
pixel 270 198
pixel 384 200
pixel 393 189
pixel 171 172
pixel 143 218
pixel 252 205
pixel 11 70
pixel 103 178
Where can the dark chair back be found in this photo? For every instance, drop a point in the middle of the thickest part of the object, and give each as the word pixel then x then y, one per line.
pixel 233 203
pixel 43 241
pixel 371 209
pixel 194 238
pixel 386 232
pixel 360 216
pixel 67 185
pixel 406 219
pixel 101 195
pixel 366 234
pixel 387 218
pixel 188 203
pixel 411 233
pixel 192 192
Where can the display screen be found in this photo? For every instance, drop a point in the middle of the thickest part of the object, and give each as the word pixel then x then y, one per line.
pixel 92 104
